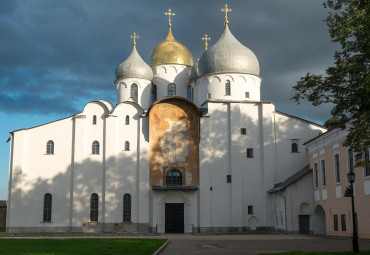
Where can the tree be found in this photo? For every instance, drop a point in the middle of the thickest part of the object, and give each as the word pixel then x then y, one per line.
pixel 347 83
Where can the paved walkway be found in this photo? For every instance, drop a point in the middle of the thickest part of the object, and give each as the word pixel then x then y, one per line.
pixel 254 244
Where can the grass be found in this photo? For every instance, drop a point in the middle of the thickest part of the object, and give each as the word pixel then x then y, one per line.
pixel 2 229
pixel 86 246
pixel 318 253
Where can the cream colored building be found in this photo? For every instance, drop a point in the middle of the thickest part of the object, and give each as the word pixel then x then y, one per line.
pixel 330 162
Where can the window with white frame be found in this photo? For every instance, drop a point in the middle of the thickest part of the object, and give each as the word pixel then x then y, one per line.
pixel 323 172
pixel 350 160
pixel 50 147
pixel 171 89
pixel 134 91
pixel 95 147
pixel 315 175
pixel 227 88
pixel 294 145
pixel 337 168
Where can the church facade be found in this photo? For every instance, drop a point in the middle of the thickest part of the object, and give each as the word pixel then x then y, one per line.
pixel 189 147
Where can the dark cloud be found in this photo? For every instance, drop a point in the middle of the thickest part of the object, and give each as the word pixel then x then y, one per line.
pixel 60 53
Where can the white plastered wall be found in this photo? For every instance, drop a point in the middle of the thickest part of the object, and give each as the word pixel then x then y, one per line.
pixel 144 91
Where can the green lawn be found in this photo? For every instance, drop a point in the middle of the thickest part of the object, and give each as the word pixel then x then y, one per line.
pixel 318 253
pixel 86 246
pixel 2 229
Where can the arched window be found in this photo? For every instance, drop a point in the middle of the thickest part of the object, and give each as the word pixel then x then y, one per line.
pixel 294 147
pixel 188 93
pixel 172 89
pixel 95 147
pixel 127 146
pixel 47 207
pixel 133 92
pixel 154 93
pixel 174 178
pixel 227 88
pixel 94 120
pixel 50 147
pixel 127 121
pixel 94 207
pixel 127 207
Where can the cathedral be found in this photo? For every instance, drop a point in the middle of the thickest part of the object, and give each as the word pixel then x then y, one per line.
pixel 188 148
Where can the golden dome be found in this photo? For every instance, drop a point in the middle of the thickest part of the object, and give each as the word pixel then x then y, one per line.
pixel 170 51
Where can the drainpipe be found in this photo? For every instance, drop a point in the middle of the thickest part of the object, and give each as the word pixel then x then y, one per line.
pixel 286 223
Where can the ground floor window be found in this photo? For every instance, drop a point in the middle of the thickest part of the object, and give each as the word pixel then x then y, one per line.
pixel 94 207
pixel 335 222
pixel 343 220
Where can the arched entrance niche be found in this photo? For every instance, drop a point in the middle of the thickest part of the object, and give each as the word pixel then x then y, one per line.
pixel 319 222
pixel 180 202
pixel 173 141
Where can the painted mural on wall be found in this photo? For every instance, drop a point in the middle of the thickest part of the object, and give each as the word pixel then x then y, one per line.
pixel 174 141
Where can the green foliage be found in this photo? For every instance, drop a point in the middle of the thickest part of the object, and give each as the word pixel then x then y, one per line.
pixel 80 246
pixel 347 84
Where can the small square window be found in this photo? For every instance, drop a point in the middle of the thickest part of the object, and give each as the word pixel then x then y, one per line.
pixel 250 153
pixel 250 209
pixel 246 94
pixel 243 131
pixel 228 178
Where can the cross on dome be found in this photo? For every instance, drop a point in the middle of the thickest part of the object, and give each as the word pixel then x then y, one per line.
pixel 134 36
pixel 226 10
pixel 206 39
pixel 169 14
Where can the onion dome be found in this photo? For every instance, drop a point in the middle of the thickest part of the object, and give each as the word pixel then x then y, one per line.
pixel 228 55
pixel 134 67
pixel 170 51
pixel 193 72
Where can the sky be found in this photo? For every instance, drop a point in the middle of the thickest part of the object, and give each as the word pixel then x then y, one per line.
pixel 56 56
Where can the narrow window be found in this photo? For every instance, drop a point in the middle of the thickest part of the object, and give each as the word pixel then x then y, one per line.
pixel 172 89
pixel 127 121
pixel 336 222
pixel 246 94
pixel 174 178
pixel 209 96
pixel 350 160
pixel 94 120
pixel 250 153
pixel 337 168
pixel 294 147
pixel 323 172
pixel 228 178
pixel 94 207
pixel 127 146
pixel 133 91
pixel 47 207
pixel 227 88
pixel 188 93
pixel 154 93
pixel 243 131
pixel 315 175
pixel 343 221
pixel 95 147
pixel 127 208
pixel 50 147
pixel 250 209
pixel 366 159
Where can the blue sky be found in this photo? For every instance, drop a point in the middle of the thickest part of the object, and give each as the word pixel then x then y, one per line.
pixel 55 56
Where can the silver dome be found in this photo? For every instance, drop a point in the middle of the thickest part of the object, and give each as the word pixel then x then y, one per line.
pixel 228 55
pixel 134 67
pixel 193 73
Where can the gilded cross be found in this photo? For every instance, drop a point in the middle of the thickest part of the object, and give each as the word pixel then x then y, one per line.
pixel 226 10
pixel 169 14
pixel 134 36
pixel 206 39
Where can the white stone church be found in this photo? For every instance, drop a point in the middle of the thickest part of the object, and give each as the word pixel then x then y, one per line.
pixel 189 148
